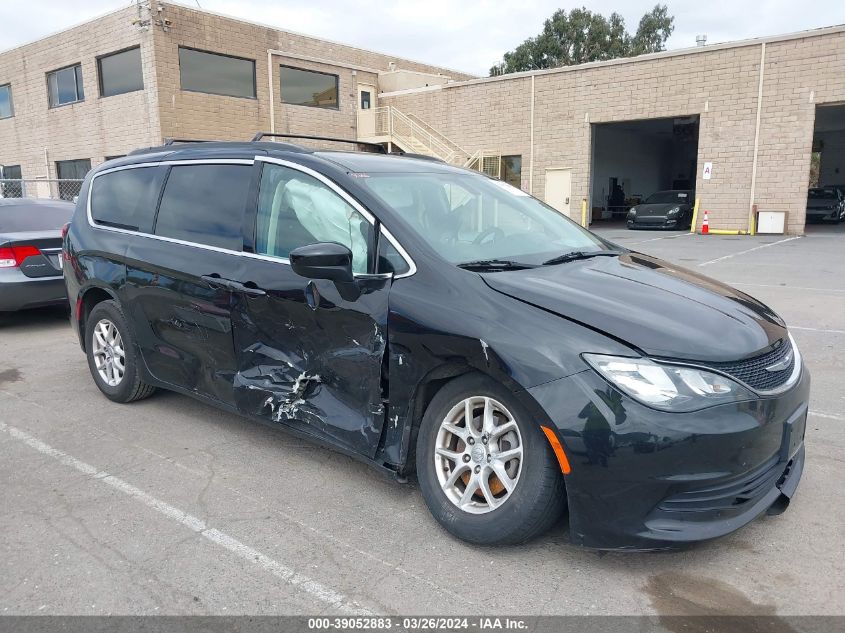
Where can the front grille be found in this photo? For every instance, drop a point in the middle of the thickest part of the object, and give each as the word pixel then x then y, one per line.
pixel 753 371
pixel 730 494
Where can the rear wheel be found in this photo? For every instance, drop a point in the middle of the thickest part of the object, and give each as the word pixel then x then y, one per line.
pixel 112 358
pixel 485 470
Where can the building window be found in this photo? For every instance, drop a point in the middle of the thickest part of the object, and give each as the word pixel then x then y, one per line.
pixel 65 86
pixel 216 74
pixel 120 72
pixel 512 170
pixel 308 88
pixel 366 100
pixel 11 185
pixel 71 171
pixel 6 109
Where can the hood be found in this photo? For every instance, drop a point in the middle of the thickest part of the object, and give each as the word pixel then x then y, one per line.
pixel 661 309
pixel 660 208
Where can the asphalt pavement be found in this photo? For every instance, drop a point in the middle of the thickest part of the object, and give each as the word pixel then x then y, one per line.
pixel 169 506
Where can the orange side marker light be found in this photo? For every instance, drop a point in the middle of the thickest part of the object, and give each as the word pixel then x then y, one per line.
pixel 558 449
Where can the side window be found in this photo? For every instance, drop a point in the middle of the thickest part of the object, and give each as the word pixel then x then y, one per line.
pixel 127 199
pixel 205 204
pixel 295 209
pixel 389 259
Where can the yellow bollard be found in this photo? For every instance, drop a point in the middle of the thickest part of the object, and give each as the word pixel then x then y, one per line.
pixel 584 212
pixel 694 222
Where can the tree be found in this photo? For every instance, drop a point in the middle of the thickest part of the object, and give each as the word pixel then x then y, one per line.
pixel 583 36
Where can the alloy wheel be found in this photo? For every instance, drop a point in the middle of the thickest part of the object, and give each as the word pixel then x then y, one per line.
pixel 109 354
pixel 478 454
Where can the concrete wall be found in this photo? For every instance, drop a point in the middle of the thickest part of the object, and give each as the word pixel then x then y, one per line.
pixel 94 128
pixel 720 84
pixel 195 115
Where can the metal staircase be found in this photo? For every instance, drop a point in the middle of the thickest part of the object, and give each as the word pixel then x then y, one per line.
pixel 387 124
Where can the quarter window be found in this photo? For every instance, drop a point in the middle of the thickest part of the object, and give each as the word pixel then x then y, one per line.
pixel 120 72
pixel 6 109
pixel 205 204
pixel 295 209
pixel 65 86
pixel 216 74
pixel 308 88
pixel 127 199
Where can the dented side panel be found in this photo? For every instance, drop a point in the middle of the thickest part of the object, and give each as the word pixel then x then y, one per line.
pixel 310 355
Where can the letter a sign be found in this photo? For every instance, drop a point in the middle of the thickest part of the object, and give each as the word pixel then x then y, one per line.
pixel 708 171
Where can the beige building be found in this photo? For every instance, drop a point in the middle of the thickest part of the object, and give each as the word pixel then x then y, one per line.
pixel 739 123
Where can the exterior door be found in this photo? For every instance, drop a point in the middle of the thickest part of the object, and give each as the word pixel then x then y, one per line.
pixel 176 283
pixel 311 350
pixel 366 111
pixel 559 191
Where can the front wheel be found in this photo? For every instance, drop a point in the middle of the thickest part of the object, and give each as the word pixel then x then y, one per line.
pixel 485 469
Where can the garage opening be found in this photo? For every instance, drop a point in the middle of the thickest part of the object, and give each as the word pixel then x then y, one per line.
pixel 826 187
pixel 633 160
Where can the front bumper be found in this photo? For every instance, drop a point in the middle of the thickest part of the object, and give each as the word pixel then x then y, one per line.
pixel 653 223
pixel 19 292
pixel 644 479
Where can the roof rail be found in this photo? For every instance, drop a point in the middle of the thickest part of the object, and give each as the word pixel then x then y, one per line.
pixel 261 135
pixel 172 141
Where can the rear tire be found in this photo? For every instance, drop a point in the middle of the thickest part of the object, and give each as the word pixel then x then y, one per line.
pixel 112 356
pixel 474 493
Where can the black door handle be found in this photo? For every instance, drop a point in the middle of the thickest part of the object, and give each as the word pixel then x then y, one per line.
pixel 248 288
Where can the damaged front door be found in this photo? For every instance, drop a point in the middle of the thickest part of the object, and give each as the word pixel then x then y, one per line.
pixel 311 351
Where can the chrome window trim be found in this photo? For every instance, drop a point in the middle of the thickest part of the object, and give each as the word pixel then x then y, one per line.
pixel 412 268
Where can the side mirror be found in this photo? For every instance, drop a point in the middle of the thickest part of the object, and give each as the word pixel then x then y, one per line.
pixel 324 260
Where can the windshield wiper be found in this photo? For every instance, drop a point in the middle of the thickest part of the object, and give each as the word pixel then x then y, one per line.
pixel 573 255
pixel 494 264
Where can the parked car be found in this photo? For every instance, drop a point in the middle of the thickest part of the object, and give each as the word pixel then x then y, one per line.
pixel 670 209
pixel 825 203
pixel 30 252
pixel 423 317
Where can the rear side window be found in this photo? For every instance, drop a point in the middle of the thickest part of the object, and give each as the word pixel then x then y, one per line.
pixel 127 199
pixel 205 204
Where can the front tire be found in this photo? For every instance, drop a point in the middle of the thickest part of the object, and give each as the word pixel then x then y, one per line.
pixel 112 356
pixel 485 469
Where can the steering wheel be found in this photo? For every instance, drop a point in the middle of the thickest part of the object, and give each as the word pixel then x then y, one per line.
pixel 495 231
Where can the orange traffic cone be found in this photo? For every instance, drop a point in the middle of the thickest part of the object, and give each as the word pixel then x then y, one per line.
pixel 705 225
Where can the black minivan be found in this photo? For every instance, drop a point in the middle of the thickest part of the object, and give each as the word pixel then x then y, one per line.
pixel 426 318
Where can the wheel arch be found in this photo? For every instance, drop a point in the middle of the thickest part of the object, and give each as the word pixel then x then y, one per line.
pixel 88 299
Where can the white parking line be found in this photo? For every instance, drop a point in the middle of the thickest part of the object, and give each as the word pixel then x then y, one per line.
pixel 667 237
pixel 313 588
pixel 778 286
pixel 815 329
pixel 750 250
pixel 829 416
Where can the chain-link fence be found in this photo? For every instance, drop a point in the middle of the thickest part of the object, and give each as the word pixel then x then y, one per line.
pixel 56 189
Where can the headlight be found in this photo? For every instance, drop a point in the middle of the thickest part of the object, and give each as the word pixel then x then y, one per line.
pixel 668 387
pixel 632 212
pixel 671 213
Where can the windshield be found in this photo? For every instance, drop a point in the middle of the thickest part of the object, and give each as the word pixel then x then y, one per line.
pixel 468 217
pixel 664 197
pixel 822 194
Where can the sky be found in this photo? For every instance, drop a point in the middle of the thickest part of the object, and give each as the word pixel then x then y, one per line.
pixel 466 35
